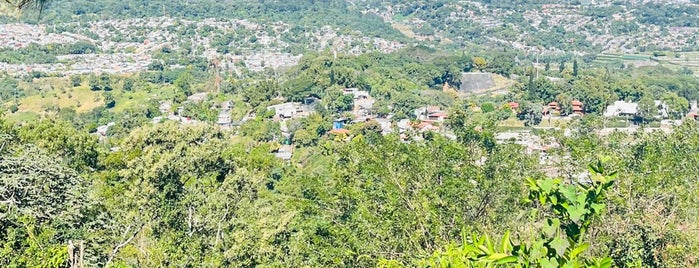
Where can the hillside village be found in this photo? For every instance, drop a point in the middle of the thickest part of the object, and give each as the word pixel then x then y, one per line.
pixel 124 50
pixel 130 46
pixel 602 26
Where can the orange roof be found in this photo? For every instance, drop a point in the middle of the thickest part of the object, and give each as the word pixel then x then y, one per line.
pixel 513 105
pixel 577 108
pixel 553 103
pixel 438 114
pixel 577 103
pixel 693 114
pixel 339 131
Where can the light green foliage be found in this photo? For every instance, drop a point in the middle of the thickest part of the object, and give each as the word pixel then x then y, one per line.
pixel 530 113
pixel 184 83
pixel 560 241
pixel 41 206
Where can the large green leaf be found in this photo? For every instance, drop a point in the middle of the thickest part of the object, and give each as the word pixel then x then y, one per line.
pixel 576 212
pixel 560 245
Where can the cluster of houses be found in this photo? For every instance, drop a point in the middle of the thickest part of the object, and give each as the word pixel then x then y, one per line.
pixel 18 35
pixel 553 108
pixel 623 108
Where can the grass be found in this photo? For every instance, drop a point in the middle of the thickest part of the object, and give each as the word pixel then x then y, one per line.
pixel 46 94
pixel 20 117
pixel 81 98
pixel 511 122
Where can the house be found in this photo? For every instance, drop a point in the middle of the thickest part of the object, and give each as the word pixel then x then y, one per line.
pixel 552 108
pixel 513 105
pixel 423 113
pixel 339 132
pixel 404 125
pixel 425 126
pixel 621 108
pixel 339 123
pixel 363 102
pixel 437 116
pixel 224 119
pixel 165 107
pixel 102 130
pixel 285 152
pixel 285 110
pixel 577 107
pixel 224 115
pixel 662 109
pixel 693 110
pixel 386 127
pixel 199 97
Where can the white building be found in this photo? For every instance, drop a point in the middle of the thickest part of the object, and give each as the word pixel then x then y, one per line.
pixel 621 108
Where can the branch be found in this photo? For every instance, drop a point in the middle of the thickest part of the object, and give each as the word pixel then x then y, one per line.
pixel 118 247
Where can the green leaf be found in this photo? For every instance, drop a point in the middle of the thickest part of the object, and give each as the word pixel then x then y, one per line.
pixel 506 244
pixel 560 245
pixel 489 244
pixel 547 184
pixel 579 249
pixel 497 256
pixel 569 193
pixel 576 212
pixel 538 250
pixel 533 186
pixel 508 259
pixel 548 263
pixel 597 208
pixel 551 227
pixel 601 263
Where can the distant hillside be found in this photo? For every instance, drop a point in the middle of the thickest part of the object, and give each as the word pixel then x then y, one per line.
pixel 314 13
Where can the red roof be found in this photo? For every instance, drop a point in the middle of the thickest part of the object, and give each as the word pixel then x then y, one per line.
pixel 553 103
pixel 513 105
pixel 438 114
pixel 339 131
pixel 577 103
pixel 577 108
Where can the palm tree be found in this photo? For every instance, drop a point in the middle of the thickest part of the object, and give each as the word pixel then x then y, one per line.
pixel 27 4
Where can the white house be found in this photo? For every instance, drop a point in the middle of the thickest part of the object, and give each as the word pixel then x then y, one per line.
pixel 621 108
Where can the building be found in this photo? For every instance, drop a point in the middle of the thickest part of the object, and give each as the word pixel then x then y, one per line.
pixel 577 107
pixel 290 110
pixel 621 108
pixel 552 108
pixel 363 102
pixel 437 116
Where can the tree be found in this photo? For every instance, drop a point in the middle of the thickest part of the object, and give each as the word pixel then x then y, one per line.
pixel 42 204
pixel 647 110
pixel 105 82
pixel 128 84
pixel 94 83
pixel 109 101
pixel 480 63
pixel 487 107
pixel 562 67
pixel 530 114
pixel 303 138
pixel 28 4
pixel 561 241
pixel 260 92
pixel 337 101
pixel 75 80
pixel 184 83
pixel 575 67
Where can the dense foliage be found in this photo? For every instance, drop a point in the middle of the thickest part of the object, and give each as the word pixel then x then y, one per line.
pixel 140 172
